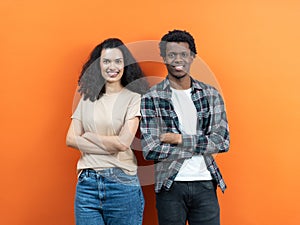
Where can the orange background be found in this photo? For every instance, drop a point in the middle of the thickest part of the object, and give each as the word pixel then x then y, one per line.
pixel 252 46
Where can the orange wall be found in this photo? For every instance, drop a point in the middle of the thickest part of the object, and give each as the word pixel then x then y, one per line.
pixel 251 46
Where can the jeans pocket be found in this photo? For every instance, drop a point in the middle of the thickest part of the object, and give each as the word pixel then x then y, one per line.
pixel 82 176
pixel 86 176
pixel 121 177
pixel 209 185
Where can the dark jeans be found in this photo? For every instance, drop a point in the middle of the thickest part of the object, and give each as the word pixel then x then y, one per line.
pixel 192 201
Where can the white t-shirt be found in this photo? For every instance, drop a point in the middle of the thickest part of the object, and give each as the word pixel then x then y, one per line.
pixel 194 168
pixel 106 116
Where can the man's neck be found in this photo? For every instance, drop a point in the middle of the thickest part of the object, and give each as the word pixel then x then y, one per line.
pixel 180 84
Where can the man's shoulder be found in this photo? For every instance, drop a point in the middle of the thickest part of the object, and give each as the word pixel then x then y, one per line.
pixel 202 85
pixel 156 90
pixel 206 88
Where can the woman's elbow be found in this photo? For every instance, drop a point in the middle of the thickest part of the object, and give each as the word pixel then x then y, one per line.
pixel 69 141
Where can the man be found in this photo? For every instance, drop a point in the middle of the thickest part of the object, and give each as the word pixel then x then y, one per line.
pixel 183 123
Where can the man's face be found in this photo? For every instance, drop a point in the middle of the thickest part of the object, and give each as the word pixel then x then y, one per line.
pixel 178 59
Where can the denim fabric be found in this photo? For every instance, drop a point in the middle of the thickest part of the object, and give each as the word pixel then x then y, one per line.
pixel 108 197
pixel 192 201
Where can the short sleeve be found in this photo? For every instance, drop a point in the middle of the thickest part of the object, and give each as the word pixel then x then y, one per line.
pixel 134 107
pixel 78 111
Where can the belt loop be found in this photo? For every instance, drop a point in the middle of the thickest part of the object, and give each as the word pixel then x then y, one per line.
pixel 85 172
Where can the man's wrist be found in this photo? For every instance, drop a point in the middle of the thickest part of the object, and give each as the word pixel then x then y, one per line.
pixel 179 139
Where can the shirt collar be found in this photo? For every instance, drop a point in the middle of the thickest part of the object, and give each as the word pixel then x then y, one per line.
pixel 165 87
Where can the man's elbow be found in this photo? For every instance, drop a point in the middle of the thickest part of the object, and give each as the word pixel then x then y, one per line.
pixel 147 155
pixel 226 146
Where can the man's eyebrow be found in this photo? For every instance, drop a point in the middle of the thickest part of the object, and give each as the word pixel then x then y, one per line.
pixel 113 59
pixel 178 51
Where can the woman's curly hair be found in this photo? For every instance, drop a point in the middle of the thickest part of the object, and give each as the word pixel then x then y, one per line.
pixel 177 36
pixel 92 84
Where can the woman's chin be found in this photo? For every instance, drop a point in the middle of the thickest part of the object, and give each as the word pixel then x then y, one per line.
pixel 112 80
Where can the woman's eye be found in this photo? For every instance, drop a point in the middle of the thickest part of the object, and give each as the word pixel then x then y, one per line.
pixel 105 61
pixel 118 61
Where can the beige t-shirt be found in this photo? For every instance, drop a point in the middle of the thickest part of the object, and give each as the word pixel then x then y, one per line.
pixel 106 116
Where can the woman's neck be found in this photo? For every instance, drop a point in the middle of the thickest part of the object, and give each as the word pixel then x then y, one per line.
pixel 111 88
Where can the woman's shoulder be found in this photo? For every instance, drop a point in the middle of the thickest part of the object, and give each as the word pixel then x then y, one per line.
pixel 130 93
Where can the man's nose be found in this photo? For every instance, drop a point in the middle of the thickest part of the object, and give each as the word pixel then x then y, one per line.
pixel 178 58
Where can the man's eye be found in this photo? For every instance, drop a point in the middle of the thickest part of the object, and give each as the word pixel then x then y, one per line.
pixel 184 54
pixel 171 55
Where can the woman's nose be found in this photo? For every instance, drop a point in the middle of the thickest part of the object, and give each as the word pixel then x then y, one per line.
pixel 112 65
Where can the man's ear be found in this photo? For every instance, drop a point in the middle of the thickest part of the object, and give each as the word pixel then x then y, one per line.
pixel 193 57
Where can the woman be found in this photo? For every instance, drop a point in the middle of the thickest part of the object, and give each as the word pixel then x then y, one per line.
pixel 103 127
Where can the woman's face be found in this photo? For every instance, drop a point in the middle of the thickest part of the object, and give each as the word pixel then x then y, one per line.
pixel 112 64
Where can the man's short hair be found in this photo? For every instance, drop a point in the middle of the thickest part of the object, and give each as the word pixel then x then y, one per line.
pixel 177 36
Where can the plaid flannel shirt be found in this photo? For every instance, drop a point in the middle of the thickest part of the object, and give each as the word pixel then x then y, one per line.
pixel 158 117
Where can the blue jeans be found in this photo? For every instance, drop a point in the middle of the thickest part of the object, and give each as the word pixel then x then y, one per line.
pixel 192 201
pixel 108 197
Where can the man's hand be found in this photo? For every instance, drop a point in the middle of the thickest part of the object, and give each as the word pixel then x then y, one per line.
pixel 171 138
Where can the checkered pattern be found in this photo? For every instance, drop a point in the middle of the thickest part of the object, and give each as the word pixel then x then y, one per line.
pixel 158 117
